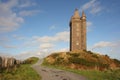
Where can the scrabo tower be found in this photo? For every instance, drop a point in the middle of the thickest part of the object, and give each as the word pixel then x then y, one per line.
pixel 78 32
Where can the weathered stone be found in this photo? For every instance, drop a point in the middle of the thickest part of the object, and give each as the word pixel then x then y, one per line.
pixel 78 32
pixel 8 63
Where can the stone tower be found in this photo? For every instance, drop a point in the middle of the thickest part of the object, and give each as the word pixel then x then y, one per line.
pixel 78 32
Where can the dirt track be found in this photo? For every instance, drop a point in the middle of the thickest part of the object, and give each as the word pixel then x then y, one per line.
pixel 55 74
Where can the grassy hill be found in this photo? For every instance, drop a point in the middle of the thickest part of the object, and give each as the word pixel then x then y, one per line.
pixel 82 60
pixel 91 65
pixel 23 72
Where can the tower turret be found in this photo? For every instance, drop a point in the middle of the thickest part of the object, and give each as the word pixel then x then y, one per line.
pixel 83 18
pixel 76 14
pixel 83 15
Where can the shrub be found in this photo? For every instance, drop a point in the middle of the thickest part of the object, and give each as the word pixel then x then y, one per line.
pixel 106 56
pixel 75 55
pixel 80 61
pixel 89 52
pixel 94 55
pixel 31 60
pixel 75 60
pixel 54 55
pixel 59 60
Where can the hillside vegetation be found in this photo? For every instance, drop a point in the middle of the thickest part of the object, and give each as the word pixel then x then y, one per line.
pixel 91 74
pixel 82 60
pixel 31 60
pixel 23 72
pixel 91 65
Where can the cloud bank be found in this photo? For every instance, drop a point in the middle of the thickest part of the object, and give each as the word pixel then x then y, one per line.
pixel 11 14
pixel 112 48
pixel 42 46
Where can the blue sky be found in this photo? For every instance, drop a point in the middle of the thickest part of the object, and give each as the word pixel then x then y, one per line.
pixel 39 27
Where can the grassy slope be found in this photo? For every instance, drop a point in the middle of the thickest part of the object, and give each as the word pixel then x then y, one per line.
pixel 24 72
pixel 91 74
pixel 84 60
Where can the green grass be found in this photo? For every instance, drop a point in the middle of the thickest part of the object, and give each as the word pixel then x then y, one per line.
pixel 91 74
pixel 24 72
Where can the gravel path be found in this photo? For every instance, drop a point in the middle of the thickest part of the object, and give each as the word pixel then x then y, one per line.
pixel 55 74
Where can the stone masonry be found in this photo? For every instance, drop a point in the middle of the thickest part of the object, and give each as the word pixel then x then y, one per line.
pixel 78 32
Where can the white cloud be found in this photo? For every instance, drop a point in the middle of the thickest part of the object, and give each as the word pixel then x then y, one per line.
pixel 9 21
pixel 88 4
pixel 61 36
pixel 103 44
pixel 95 9
pixel 46 46
pixel 46 40
pixel 93 6
pixel 41 53
pixel 110 48
pixel 36 46
pixel 63 50
pixel 27 54
pixel 28 13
